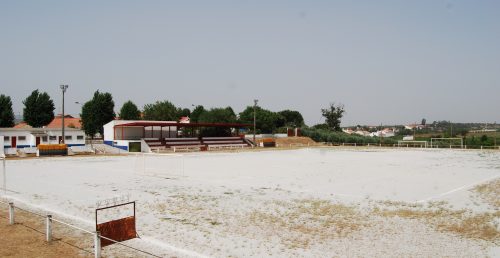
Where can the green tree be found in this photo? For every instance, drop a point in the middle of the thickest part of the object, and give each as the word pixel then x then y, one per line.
pixel 97 112
pixel 320 126
pixel 217 115
pixel 88 119
pixel 333 116
pixel 185 112
pixel 197 111
pixel 161 111
pixel 292 118
pixel 129 111
pixel 38 109
pixel 266 120
pixel 6 113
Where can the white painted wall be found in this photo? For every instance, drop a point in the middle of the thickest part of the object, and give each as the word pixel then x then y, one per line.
pixel 30 140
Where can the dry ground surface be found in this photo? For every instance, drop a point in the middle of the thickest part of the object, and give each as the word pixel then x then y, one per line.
pixel 326 205
pixel 26 239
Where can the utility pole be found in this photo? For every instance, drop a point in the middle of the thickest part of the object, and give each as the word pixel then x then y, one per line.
pixel 495 136
pixel 380 135
pixel 254 119
pixel 63 88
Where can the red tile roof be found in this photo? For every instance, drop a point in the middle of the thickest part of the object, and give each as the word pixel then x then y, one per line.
pixel 22 125
pixel 69 121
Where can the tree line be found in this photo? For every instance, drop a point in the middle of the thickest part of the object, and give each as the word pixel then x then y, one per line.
pixel 39 109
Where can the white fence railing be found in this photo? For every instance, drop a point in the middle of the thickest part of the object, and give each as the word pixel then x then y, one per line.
pixel 49 220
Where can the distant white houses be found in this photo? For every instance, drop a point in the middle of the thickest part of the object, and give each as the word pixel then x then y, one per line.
pixel 362 133
pixel 348 130
pixel 386 132
pixel 414 126
pixel 15 138
pixel 185 120
pixel 483 131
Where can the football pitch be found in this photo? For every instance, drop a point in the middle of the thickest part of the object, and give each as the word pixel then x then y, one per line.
pixel 313 202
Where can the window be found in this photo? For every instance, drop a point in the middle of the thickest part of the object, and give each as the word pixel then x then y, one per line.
pixel 22 138
pixel 53 138
pixel 6 138
pixel 44 138
pixel 68 137
pixel 79 137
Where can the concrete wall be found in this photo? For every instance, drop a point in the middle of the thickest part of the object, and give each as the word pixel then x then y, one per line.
pixel 121 144
pixel 108 131
pixel 259 136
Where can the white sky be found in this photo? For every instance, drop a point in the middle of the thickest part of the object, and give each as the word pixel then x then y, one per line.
pixel 387 61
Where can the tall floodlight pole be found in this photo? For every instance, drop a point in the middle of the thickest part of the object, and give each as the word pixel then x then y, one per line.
pixel 63 88
pixel 254 119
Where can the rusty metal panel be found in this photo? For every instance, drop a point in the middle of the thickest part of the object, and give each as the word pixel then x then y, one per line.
pixel 118 230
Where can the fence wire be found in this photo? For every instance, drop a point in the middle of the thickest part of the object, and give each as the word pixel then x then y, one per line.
pixel 60 230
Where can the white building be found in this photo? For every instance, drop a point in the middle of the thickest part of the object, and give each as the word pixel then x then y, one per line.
pixel 14 138
pixel 124 134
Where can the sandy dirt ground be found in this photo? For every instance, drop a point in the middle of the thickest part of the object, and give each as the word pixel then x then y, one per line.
pixel 318 202
pixel 26 239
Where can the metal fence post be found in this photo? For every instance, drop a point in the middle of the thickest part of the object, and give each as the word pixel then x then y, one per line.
pixel 49 228
pixel 11 213
pixel 97 244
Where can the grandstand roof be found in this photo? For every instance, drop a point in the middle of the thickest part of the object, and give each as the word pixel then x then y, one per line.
pixel 165 123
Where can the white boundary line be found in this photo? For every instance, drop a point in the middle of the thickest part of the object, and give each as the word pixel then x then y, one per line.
pixel 464 187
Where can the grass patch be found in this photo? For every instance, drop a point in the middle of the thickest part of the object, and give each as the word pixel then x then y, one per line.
pixel 461 222
pixel 490 192
pixel 302 222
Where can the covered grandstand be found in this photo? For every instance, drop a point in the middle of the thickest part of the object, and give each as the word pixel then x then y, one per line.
pixel 146 136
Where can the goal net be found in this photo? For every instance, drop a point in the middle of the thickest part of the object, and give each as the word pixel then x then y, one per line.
pixel 447 142
pixel 160 165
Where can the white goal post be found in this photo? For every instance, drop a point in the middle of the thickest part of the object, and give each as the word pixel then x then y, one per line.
pixel 435 142
pixel 412 143
pixel 160 165
pixel 4 173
